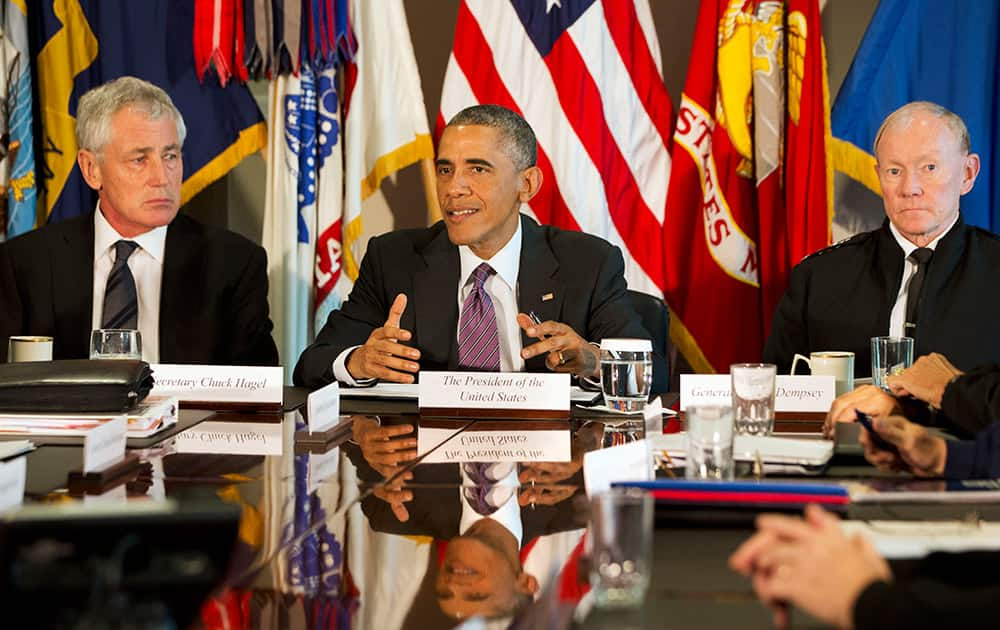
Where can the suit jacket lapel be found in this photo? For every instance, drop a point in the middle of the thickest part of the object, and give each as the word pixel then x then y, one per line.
pixel 435 303
pixel 73 286
pixel 538 289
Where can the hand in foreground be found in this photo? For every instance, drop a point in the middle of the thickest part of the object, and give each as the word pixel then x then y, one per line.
pixel 809 563
pixel 916 449
pixel 382 447
pixel 567 351
pixel 867 398
pixel 925 379
pixel 382 356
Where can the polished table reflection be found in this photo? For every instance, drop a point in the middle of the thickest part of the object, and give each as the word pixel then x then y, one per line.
pixel 357 535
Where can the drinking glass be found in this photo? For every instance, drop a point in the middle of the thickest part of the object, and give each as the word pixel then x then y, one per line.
pixel 753 397
pixel 626 373
pixel 620 545
pixel 710 442
pixel 890 356
pixel 113 343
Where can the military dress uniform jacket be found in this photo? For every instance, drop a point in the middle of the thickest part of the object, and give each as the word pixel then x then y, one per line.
pixel 842 296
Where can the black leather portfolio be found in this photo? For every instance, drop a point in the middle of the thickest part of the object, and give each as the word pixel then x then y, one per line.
pixel 76 385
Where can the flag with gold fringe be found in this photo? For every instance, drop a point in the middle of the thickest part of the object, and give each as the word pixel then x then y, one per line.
pixel 17 155
pixel 749 192
pixel 84 43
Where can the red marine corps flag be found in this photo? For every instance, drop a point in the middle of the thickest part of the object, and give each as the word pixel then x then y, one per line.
pixel 750 192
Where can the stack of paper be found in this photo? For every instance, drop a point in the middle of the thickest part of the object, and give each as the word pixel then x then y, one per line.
pixel 915 539
pixel 777 454
pixel 152 415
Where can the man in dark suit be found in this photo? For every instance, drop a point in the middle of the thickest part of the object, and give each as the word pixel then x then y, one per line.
pixel 408 309
pixel 923 274
pixel 196 294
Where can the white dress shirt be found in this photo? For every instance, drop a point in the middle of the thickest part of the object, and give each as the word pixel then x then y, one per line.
pixel 897 319
pixel 508 514
pixel 146 265
pixel 502 289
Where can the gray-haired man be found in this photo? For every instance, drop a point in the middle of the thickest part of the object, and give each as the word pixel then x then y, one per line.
pixel 196 294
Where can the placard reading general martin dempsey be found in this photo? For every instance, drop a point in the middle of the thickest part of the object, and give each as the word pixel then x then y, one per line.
pixel 505 391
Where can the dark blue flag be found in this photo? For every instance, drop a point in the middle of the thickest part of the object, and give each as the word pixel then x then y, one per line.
pixel 944 51
pixel 84 43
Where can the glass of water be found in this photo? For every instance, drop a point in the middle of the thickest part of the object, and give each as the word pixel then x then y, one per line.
pixel 753 397
pixel 626 373
pixel 890 356
pixel 619 544
pixel 115 343
pixel 710 442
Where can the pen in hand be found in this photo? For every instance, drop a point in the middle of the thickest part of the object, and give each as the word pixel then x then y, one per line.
pixel 537 321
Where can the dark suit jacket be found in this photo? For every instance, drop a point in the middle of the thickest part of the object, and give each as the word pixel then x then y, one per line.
pixel 213 300
pixel 942 590
pixel 842 296
pixel 583 273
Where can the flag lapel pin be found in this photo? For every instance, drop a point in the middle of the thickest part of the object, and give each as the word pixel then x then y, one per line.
pixel 546 297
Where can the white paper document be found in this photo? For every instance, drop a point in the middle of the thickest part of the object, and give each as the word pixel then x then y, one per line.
pixel 915 539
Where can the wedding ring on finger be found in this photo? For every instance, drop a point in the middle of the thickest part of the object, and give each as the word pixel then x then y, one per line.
pixel 562 359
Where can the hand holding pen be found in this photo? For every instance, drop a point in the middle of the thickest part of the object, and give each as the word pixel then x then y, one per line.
pixel 566 351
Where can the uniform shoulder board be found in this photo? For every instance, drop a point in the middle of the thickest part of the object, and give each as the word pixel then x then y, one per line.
pixel 850 240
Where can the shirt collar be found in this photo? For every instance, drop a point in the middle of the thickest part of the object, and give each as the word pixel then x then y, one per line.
pixel 909 247
pixel 505 262
pixel 152 242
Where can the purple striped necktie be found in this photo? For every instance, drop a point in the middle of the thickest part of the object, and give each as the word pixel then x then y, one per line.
pixel 478 338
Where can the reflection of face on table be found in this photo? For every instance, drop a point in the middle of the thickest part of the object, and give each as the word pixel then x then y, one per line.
pixel 482 575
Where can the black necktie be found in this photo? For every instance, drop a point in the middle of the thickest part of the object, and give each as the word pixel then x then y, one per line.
pixel 921 256
pixel 121 307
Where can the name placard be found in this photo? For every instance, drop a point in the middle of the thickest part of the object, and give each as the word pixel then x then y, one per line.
pixel 495 394
pixel 791 393
pixel 104 445
pixel 234 384
pixel 12 477
pixel 323 407
pixel 231 438
pixel 494 445
pixel 628 462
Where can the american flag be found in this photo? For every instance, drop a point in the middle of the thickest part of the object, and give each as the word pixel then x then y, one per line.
pixel 587 76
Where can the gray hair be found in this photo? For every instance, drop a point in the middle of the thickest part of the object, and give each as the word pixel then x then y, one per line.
pixel 519 140
pixel 97 106
pixel 904 114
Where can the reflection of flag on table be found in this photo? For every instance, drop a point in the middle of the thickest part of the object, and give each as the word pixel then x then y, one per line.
pixel 17 154
pixel 586 76
pixel 749 189
pixel 944 51
pixel 84 43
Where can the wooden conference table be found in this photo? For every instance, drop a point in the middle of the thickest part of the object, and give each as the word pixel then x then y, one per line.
pixel 230 522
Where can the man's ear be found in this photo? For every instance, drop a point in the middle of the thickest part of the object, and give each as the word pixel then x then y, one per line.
pixel 970 169
pixel 530 182
pixel 90 168
pixel 527 584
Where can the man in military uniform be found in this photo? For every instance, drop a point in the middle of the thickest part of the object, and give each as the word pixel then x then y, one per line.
pixel 924 274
